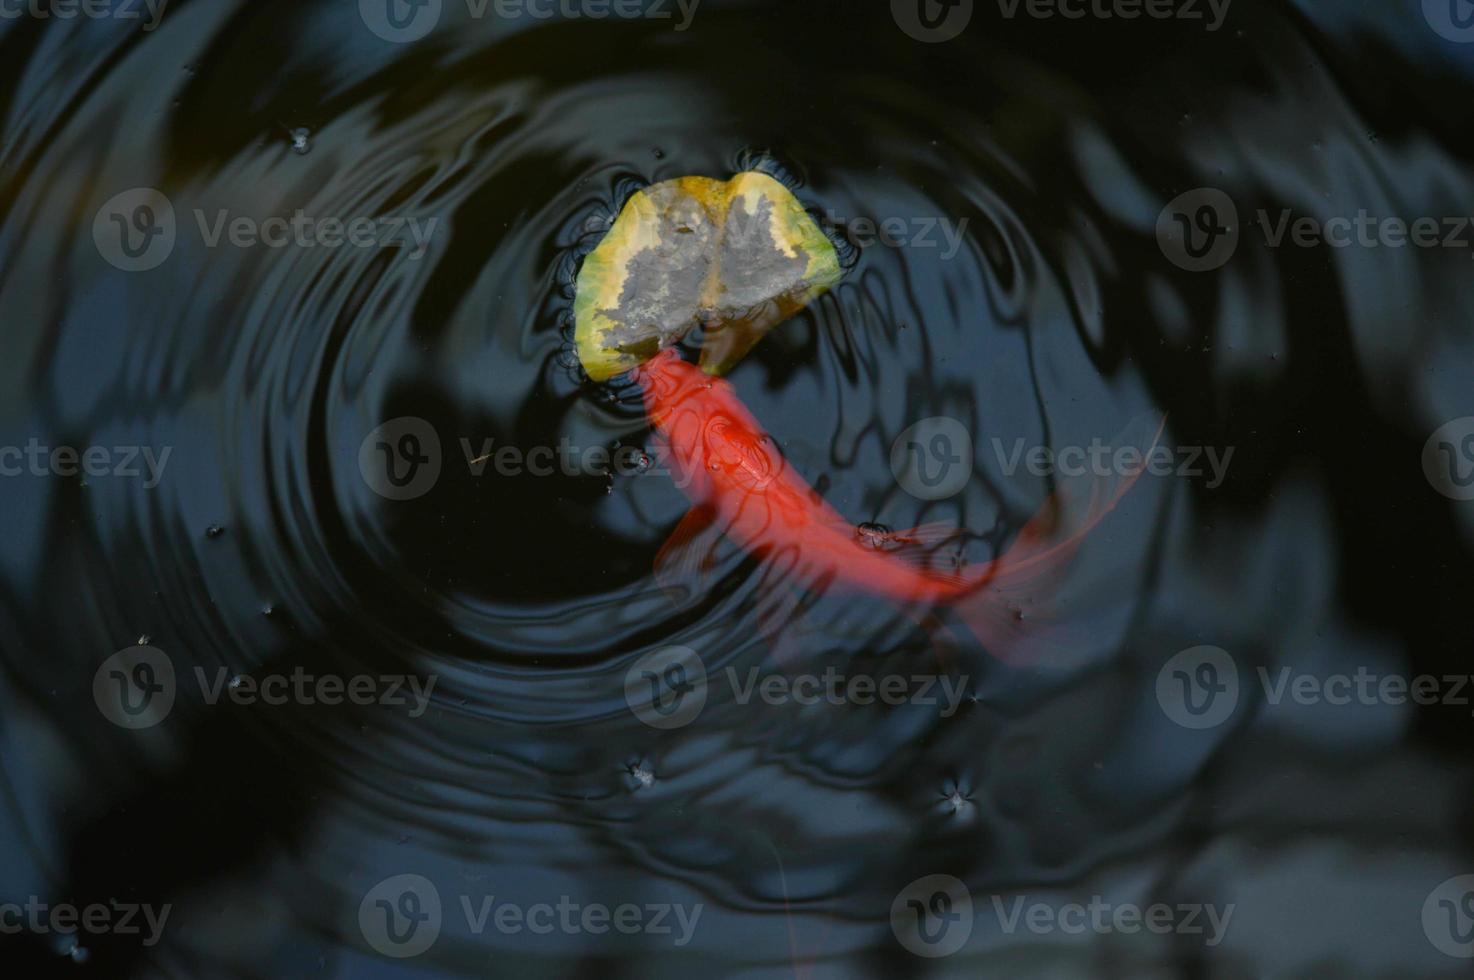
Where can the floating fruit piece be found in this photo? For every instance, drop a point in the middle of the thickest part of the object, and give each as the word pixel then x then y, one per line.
pixel 737 257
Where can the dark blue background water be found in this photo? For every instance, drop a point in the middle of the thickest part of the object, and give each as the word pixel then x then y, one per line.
pixel 263 547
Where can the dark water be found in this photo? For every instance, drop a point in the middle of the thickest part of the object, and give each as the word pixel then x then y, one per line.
pixel 1024 293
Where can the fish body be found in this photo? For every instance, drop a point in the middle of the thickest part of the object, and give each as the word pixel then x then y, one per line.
pixel 743 489
pixel 739 481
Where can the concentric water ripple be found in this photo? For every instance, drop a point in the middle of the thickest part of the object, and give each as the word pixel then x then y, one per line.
pixel 314 278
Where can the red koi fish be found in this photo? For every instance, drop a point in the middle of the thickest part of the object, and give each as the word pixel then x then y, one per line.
pixel 743 489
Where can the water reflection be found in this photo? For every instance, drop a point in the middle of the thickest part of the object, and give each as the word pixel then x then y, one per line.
pixel 302 283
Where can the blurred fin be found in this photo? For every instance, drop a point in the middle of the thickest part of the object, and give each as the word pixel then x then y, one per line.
pixel 1015 611
pixel 684 563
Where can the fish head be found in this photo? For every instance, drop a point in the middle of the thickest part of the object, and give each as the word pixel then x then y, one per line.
pixel 679 399
pixel 705 425
pixel 739 452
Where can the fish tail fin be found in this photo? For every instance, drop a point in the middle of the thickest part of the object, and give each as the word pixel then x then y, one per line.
pixel 1015 608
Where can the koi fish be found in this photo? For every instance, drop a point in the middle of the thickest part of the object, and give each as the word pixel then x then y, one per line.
pixel 742 489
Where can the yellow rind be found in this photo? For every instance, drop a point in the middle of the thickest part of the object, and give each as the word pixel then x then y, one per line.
pixel 638 228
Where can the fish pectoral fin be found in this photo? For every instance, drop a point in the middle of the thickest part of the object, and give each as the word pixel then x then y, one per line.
pixel 684 564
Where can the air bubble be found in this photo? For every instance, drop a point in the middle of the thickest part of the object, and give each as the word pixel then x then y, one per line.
pixel 641 774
